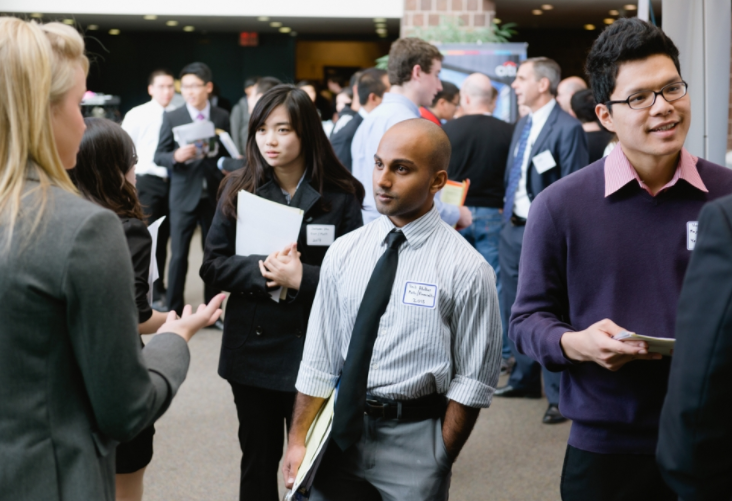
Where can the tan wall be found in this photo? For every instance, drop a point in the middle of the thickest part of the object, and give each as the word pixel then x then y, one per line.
pixel 424 13
pixel 311 57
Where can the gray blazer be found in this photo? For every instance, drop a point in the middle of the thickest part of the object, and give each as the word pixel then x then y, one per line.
pixel 73 379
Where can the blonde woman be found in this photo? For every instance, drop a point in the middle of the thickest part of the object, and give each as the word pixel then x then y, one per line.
pixel 73 379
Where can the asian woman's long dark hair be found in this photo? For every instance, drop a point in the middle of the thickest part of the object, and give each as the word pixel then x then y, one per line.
pixel 105 155
pixel 326 171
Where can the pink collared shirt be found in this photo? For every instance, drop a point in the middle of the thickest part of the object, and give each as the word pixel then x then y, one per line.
pixel 619 172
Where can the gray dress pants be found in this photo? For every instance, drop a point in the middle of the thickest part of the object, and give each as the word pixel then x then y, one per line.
pixel 393 461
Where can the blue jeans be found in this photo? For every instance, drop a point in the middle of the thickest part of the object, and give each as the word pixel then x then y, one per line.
pixel 484 234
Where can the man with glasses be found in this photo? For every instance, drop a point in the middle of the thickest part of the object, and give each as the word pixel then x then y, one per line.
pixel 605 251
pixel 193 182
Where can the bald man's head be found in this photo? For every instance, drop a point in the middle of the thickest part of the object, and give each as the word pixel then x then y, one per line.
pixel 410 167
pixel 477 95
pixel 566 90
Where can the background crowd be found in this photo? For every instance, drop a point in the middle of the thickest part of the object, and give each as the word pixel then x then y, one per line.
pixel 587 208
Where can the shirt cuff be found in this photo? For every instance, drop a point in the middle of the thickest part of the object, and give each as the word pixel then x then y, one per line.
pixel 449 213
pixel 314 382
pixel 220 163
pixel 470 392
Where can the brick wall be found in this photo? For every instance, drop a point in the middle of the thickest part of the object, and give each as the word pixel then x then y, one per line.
pixel 425 13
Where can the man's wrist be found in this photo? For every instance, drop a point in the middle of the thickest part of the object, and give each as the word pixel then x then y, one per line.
pixel 569 343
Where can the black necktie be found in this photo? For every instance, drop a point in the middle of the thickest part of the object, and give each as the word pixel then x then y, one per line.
pixel 351 402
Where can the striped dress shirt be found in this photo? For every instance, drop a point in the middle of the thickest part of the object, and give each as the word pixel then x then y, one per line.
pixel 441 331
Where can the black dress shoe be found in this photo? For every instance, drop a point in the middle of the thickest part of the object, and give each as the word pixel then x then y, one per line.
pixel 219 324
pixel 552 415
pixel 511 392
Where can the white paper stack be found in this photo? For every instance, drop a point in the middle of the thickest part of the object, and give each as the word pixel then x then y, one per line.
pixel 264 227
pixel 662 345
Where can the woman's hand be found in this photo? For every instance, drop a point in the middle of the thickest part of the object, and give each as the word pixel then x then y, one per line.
pixel 283 268
pixel 189 323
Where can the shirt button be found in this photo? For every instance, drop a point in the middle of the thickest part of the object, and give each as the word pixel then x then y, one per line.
pixel 258 331
pixel 298 333
pixel 374 366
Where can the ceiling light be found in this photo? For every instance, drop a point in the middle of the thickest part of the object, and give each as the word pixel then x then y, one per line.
pixel 547 6
pixel 614 13
pixel 630 6
pixel 293 33
pixel 70 22
pixel 114 31
pixel 496 20
pixel 172 23
pixel 383 35
pixel 381 30
pixel 537 12
pixel 275 24
pixel 379 19
pixel 380 25
pixel 37 15
pixel 608 20
pixel 189 28
pixel 589 27
pixel 263 18
pixel 285 29
pixel 150 17
pixel 92 27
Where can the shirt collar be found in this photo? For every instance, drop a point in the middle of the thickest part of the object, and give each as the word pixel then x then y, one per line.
pixel 416 232
pixel 287 194
pixel 392 98
pixel 156 106
pixel 193 112
pixel 619 172
pixel 540 115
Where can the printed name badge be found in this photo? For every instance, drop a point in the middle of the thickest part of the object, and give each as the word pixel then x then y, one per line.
pixel 544 161
pixel 417 294
pixel 320 234
pixel 691 228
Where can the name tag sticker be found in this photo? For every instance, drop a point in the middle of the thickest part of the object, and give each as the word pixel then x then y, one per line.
pixel 544 161
pixel 691 228
pixel 417 294
pixel 320 234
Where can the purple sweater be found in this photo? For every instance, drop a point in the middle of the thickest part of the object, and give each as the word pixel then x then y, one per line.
pixel 585 258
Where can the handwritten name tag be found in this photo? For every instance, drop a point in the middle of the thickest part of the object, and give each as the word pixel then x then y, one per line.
pixel 691 228
pixel 320 234
pixel 417 294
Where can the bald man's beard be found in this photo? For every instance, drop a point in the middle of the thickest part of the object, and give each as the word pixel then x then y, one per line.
pixel 390 209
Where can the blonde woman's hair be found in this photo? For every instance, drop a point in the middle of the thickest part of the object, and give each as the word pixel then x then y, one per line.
pixel 37 69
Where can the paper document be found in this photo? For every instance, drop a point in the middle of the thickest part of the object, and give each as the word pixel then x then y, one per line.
pixel 316 442
pixel 228 143
pixel 264 227
pixel 200 133
pixel 454 193
pixel 154 273
pixel 662 345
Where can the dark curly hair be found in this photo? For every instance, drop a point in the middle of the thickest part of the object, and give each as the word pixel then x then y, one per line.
pixel 628 39
pixel 105 155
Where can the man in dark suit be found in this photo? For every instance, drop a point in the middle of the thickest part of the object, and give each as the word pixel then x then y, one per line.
pixel 547 145
pixel 695 437
pixel 480 145
pixel 193 182
pixel 371 86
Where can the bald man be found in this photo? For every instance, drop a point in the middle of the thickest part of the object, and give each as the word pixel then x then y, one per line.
pixel 480 145
pixel 406 317
pixel 565 91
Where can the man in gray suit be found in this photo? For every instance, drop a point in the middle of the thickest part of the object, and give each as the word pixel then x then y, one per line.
pixel 547 145
pixel 193 183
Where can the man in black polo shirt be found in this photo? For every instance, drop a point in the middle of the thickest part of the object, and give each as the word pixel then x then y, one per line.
pixel 480 144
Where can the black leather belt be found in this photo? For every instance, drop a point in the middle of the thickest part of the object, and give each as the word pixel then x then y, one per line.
pixel 429 407
pixel 517 221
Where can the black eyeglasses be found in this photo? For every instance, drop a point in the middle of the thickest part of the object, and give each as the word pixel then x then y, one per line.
pixel 647 98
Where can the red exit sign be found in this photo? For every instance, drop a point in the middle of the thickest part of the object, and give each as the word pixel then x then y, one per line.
pixel 248 39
